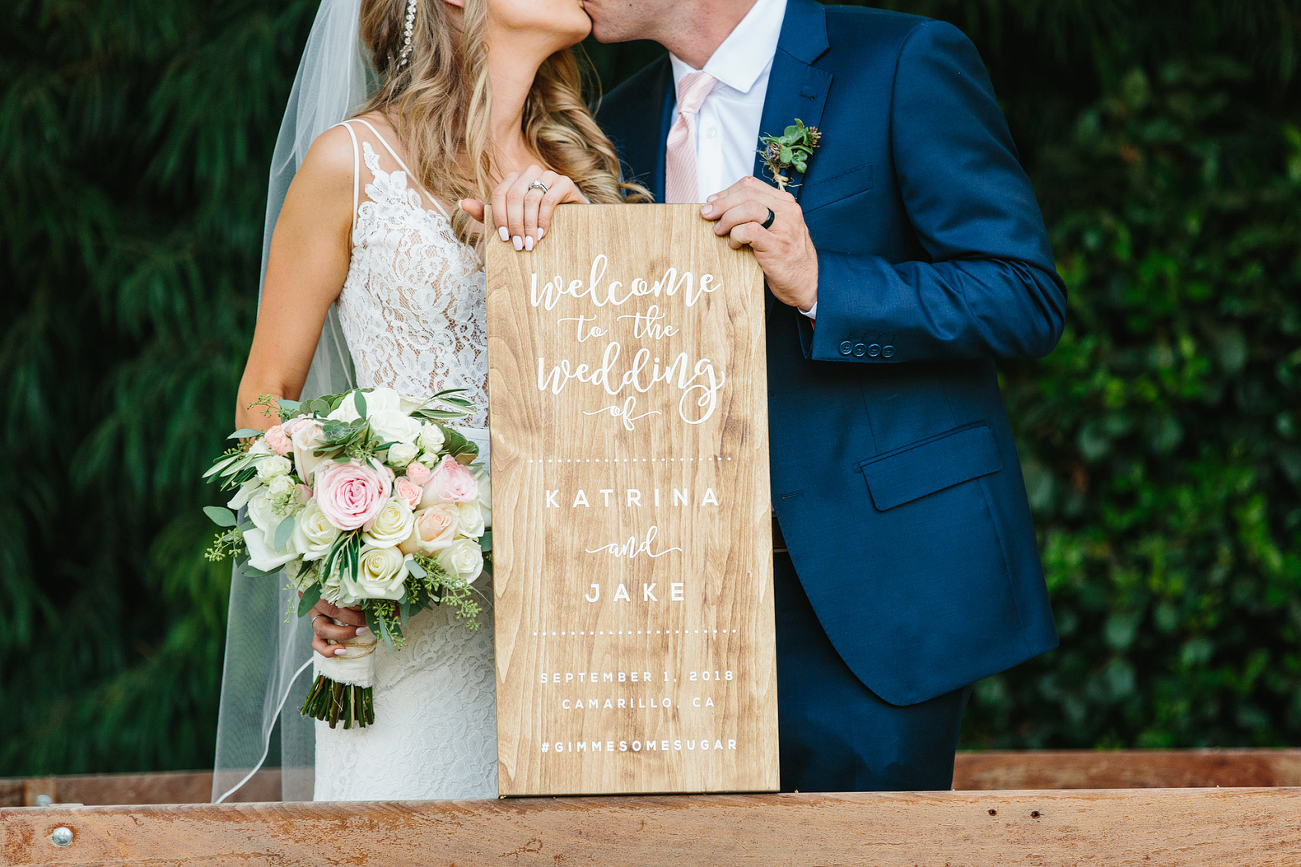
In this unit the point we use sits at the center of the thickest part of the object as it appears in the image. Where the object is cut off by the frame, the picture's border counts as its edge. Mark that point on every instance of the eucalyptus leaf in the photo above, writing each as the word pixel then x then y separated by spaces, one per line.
pixel 485 541
pixel 360 401
pixel 221 516
pixel 417 570
pixel 283 531
pixel 244 433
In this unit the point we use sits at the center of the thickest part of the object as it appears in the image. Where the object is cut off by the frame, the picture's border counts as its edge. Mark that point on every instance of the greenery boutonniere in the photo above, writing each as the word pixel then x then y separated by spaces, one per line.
pixel 791 149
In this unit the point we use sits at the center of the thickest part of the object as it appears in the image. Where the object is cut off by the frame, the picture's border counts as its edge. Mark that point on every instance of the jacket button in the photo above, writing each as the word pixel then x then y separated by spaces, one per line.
pixel 859 350
pixel 874 350
pixel 887 351
pixel 846 348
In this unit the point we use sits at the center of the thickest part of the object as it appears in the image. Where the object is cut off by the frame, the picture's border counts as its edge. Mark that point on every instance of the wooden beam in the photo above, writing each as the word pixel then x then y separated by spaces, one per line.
pixel 1224 827
pixel 1126 769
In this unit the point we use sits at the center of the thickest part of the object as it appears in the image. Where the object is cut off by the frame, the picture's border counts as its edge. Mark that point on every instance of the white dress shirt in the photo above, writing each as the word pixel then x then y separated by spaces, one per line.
pixel 727 125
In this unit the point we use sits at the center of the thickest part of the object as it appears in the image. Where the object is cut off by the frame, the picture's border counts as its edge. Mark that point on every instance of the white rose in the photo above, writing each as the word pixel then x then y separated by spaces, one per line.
pixel 402 454
pixel 262 556
pixel 485 495
pixel 313 533
pixel 280 485
pixel 379 401
pixel 462 559
pixel 430 459
pixel 240 500
pixel 431 438
pixel 380 574
pixel 471 523
pixel 269 468
pixel 391 526
pixel 261 513
pixel 395 427
pixel 333 591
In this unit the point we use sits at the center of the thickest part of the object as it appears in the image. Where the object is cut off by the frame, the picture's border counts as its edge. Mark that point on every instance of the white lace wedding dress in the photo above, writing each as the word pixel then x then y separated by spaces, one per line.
pixel 412 310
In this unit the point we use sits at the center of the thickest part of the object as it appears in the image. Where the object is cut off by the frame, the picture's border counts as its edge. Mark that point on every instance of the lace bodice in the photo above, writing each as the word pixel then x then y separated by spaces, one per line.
pixel 412 310
pixel 412 307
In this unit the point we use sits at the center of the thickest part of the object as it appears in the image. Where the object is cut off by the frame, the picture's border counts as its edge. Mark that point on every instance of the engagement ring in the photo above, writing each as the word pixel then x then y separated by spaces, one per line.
pixel 538 185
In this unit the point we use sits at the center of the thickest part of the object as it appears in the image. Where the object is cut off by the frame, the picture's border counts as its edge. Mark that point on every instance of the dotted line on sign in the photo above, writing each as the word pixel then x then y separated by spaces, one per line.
pixel 622 460
pixel 630 632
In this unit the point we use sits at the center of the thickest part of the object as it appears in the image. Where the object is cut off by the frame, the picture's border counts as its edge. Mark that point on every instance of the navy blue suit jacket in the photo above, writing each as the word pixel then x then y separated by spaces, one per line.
pixel 894 474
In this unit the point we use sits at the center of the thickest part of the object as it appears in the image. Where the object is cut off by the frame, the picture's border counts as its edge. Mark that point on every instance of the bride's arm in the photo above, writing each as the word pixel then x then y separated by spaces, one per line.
pixel 306 266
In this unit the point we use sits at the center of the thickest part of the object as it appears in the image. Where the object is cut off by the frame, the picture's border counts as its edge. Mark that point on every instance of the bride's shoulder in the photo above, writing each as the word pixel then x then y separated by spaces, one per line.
pixel 329 162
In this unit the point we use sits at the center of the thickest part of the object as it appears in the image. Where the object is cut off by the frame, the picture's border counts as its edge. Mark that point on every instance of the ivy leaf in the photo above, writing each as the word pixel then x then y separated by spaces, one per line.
pixel 221 516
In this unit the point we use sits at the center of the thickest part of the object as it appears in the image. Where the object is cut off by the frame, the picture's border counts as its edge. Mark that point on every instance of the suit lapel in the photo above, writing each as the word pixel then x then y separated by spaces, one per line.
pixel 796 89
pixel 646 151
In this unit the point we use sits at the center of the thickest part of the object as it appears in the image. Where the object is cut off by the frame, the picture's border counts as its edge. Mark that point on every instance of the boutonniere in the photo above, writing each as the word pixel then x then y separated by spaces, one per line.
pixel 791 149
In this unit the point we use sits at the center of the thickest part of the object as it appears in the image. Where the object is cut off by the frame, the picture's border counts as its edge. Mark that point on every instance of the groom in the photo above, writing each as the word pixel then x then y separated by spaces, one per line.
pixel 903 263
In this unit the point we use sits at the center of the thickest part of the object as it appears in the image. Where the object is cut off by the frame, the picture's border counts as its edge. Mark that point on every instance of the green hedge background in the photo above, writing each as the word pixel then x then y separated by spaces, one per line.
pixel 1160 441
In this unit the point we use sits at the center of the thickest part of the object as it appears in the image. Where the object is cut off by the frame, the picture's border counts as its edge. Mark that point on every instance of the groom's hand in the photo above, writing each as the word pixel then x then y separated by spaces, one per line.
pixel 784 250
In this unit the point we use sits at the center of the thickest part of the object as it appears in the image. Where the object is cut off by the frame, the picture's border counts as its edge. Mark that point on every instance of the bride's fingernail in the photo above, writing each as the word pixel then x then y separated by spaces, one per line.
pixel 518 242
pixel 505 235
pixel 542 233
pixel 340 651
pixel 363 630
pixel 528 243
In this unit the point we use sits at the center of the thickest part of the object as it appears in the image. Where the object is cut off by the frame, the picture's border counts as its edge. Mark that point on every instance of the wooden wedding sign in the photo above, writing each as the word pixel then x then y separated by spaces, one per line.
pixel 631 530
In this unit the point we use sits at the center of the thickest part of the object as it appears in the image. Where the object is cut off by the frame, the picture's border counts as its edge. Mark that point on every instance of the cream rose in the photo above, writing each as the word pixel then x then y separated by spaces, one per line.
pixel 396 427
pixel 306 436
pixel 401 454
pixel 431 437
pixel 261 512
pixel 462 559
pixel 260 553
pixel 434 529
pixel 391 526
pixel 485 495
pixel 471 520
pixel 380 574
pixel 313 533
pixel 333 591
pixel 270 467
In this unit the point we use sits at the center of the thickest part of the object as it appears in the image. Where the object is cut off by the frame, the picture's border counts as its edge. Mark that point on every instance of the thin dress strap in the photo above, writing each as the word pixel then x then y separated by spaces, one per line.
pixel 410 174
pixel 356 174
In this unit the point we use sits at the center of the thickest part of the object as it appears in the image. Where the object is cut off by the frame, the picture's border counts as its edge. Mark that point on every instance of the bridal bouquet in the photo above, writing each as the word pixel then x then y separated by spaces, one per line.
pixel 363 499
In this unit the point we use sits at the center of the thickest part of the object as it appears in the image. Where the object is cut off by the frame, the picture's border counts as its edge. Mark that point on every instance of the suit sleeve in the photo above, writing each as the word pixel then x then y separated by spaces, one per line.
pixel 990 288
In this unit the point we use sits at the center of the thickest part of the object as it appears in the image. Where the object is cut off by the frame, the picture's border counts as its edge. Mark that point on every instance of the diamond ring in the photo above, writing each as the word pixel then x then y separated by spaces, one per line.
pixel 538 185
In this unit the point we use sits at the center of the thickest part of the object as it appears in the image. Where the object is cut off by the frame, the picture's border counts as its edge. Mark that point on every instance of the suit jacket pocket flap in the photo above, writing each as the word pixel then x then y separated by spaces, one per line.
pixel 915 471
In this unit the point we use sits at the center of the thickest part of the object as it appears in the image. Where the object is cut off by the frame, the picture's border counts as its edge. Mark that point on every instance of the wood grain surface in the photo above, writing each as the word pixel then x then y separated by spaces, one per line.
pixel 632 540
pixel 1126 769
pixel 1193 827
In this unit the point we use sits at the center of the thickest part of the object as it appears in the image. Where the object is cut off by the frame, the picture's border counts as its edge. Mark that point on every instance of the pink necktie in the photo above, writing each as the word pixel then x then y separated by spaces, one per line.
pixel 680 183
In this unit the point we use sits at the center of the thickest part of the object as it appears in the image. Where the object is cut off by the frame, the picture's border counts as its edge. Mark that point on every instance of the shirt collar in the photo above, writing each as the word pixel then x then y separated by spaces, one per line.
pixel 746 52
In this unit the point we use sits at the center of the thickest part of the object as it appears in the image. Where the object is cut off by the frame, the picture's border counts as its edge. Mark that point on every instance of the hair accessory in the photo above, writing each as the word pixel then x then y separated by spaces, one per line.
pixel 406 34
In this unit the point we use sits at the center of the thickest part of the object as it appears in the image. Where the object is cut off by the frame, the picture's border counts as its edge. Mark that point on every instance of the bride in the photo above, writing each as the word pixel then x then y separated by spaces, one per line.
pixel 372 278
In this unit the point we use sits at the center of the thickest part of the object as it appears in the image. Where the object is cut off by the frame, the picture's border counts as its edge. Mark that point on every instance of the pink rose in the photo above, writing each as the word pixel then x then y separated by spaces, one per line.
pixel 351 495
pixel 305 434
pixel 279 440
pixel 409 491
pixel 418 473
pixel 450 483
pixel 434 530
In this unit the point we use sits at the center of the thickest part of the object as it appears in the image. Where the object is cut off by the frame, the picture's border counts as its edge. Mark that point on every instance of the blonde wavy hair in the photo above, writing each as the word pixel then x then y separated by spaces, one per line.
pixel 439 104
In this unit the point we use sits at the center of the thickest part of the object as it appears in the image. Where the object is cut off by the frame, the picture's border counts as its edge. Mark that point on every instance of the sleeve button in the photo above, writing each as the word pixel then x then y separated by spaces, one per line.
pixel 874 350
pixel 887 351
pixel 846 348
pixel 859 350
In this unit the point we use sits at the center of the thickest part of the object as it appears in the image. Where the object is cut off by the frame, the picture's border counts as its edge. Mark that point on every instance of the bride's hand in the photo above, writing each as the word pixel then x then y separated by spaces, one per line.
pixel 523 214
pixel 323 616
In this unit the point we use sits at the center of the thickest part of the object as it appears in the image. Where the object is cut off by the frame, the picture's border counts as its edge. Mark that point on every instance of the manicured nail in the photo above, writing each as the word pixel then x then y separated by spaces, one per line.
pixel 528 243
pixel 542 233
pixel 505 235
pixel 518 242
pixel 340 651
pixel 707 210
pixel 363 630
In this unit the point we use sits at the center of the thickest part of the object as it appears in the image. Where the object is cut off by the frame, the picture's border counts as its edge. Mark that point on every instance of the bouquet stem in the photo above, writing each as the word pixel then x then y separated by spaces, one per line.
pixel 331 701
